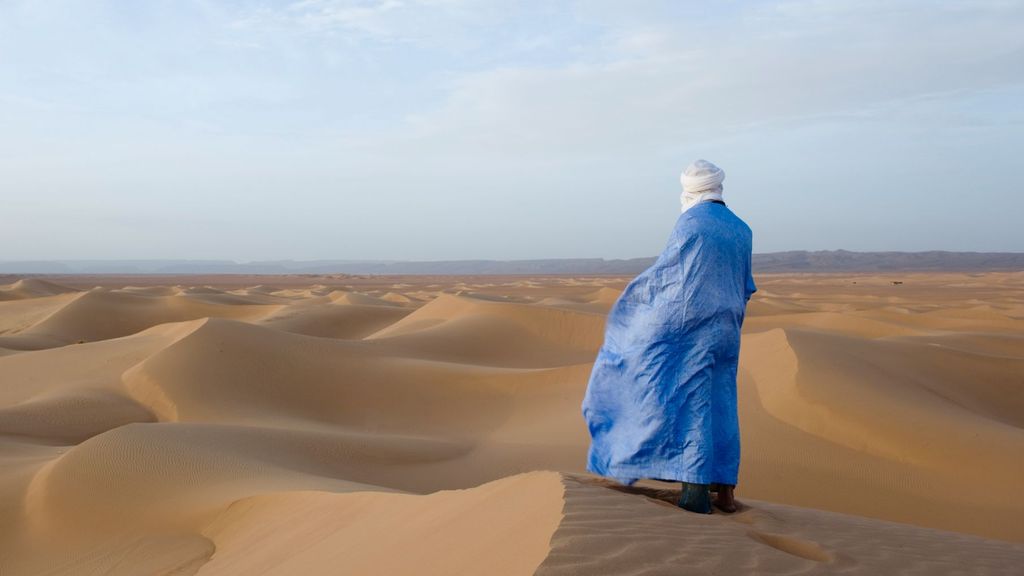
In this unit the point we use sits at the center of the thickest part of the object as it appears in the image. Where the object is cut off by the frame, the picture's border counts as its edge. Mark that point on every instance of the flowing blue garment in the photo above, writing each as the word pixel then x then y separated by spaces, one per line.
pixel 661 401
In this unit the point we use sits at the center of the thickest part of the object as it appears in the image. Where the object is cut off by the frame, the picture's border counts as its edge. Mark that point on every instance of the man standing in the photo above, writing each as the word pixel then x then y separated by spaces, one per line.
pixel 661 401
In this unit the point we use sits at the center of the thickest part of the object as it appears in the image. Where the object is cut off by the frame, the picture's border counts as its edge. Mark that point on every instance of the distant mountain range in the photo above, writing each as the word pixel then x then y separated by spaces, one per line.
pixel 796 261
pixel 845 261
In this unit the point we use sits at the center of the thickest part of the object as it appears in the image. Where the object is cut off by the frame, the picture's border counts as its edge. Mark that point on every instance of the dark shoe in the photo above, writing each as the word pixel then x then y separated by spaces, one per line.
pixel 695 498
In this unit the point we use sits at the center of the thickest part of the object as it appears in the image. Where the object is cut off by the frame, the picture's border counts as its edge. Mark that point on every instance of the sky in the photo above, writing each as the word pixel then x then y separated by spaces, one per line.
pixel 465 129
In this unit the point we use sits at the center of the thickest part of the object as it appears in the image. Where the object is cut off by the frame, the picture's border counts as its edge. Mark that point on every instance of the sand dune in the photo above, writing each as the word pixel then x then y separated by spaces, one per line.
pixel 870 422
pixel 357 298
pixel 100 314
pixel 472 330
pixel 17 317
pixel 32 288
pixel 509 523
pixel 345 320
pixel 432 425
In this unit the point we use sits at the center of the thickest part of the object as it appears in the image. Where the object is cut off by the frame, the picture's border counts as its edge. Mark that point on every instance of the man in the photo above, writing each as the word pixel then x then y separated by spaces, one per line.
pixel 661 401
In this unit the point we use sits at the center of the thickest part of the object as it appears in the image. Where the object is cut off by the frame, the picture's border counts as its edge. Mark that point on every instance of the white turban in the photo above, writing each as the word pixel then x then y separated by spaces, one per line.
pixel 701 181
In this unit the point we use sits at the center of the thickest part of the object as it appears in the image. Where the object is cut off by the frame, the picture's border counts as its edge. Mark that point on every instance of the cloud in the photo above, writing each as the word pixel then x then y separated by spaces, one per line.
pixel 800 94
pixel 788 62
pixel 370 19
pixel 377 21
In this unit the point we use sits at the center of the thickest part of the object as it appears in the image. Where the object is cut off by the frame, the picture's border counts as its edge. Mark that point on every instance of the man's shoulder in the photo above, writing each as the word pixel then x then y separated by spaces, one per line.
pixel 708 217
pixel 740 222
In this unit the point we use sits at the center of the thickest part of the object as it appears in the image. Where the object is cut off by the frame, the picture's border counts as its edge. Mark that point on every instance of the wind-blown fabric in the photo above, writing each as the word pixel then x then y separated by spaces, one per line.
pixel 661 401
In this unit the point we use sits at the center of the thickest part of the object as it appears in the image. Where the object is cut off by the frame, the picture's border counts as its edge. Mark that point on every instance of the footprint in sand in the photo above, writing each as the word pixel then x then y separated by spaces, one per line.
pixel 795 546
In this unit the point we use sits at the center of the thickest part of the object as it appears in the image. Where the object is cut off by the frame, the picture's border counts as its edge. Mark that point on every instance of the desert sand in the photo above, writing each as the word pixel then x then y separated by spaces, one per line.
pixel 431 425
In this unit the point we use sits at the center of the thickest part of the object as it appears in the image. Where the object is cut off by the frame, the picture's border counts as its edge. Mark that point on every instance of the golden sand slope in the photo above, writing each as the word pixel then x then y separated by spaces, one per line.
pixel 389 425
pixel 502 527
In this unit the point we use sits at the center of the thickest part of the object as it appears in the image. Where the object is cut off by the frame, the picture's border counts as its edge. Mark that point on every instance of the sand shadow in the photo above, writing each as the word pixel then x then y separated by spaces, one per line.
pixel 661 495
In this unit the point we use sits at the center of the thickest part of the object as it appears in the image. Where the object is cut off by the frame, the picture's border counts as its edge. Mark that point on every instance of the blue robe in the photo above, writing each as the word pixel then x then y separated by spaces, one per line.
pixel 661 401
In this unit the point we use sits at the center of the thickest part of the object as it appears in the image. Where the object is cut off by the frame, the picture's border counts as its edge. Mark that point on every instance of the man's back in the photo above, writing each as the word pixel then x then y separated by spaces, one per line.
pixel 715 259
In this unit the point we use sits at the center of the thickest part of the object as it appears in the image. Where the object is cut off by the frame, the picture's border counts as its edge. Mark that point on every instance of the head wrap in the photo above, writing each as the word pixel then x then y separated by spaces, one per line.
pixel 701 181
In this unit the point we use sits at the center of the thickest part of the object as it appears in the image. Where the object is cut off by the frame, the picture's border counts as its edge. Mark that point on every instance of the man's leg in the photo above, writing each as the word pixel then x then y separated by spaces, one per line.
pixel 727 435
pixel 724 498
pixel 696 498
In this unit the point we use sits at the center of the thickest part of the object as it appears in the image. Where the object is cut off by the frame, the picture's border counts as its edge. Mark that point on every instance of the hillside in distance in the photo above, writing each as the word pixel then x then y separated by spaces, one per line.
pixel 782 262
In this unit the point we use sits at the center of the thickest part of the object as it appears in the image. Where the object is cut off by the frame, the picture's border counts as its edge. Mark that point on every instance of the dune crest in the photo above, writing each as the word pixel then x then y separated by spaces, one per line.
pixel 33 288
pixel 508 521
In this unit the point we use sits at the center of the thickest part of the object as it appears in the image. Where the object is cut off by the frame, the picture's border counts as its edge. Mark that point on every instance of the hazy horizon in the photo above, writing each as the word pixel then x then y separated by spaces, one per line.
pixel 776 262
pixel 454 129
